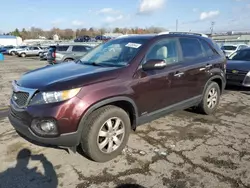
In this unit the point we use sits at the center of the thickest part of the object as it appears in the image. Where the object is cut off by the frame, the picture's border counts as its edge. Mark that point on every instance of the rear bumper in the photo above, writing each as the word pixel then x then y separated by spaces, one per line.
pixel 65 140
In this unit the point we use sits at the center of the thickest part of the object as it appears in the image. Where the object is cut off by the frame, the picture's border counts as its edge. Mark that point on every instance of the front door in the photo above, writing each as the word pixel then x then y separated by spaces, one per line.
pixel 153 88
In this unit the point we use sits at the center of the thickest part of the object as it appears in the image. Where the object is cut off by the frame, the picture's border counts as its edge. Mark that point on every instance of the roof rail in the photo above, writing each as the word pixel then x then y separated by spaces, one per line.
pixel 125 35
pixel 181 32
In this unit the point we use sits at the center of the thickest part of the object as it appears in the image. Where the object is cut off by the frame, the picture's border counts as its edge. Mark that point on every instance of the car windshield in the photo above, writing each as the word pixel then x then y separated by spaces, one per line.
pixel 118 52
pixel 228 47
pixel 241 55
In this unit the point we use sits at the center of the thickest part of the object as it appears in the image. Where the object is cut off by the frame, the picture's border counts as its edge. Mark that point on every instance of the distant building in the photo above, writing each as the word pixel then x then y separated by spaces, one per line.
pixel 9 40
pixel 55 37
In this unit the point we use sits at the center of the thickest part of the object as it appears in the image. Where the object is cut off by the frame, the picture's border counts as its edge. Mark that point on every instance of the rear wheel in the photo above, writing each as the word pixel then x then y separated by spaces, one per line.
pixel 211 99
pixel 68 59
pixel 105 133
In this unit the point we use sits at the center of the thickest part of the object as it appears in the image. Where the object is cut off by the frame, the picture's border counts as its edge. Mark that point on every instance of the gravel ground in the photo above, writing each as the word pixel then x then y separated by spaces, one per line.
pixel 181 150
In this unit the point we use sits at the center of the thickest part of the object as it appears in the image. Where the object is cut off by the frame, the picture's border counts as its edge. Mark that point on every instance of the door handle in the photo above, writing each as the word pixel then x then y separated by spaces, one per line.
pixel 178 74
pixel 207 66
pixel 202 69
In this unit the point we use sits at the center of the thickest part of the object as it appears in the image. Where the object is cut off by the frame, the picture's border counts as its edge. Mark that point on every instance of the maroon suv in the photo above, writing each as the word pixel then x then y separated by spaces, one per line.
pixel 95 102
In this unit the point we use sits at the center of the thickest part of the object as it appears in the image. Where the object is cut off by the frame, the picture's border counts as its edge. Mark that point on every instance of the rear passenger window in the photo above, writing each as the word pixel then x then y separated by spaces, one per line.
pixel 62 48
pixel 79 49
pixel 191 48
pixel 208 50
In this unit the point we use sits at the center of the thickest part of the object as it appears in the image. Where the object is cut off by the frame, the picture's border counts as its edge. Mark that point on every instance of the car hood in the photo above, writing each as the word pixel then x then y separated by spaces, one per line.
pixel 66 76
pixel 238 65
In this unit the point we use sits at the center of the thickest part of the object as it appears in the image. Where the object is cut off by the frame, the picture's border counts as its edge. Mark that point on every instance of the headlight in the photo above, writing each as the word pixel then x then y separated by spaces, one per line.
pixel 248 74
pixel 55 96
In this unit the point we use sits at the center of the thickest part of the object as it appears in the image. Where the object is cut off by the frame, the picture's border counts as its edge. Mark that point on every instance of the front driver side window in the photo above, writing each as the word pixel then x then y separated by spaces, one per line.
pixel 165 50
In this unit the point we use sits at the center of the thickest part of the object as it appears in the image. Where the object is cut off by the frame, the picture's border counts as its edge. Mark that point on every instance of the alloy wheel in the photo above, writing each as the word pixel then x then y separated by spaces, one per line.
pixel 212 98
pixel 111 135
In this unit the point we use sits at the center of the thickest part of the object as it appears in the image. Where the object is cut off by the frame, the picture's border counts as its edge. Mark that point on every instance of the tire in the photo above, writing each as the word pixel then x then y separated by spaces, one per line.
pixel 67 60
pixel 23 55
pixel 209 107
pixel 97 121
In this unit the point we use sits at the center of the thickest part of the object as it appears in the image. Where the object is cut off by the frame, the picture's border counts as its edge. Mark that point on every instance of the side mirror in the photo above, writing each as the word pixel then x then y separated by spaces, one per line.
pixel 154 64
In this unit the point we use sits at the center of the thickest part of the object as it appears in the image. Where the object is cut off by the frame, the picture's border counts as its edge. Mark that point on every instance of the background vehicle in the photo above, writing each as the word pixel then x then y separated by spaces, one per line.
pixel 230 48
pixel 85 38
pixel 43 55
pixel 67 53
pixel 30 51
pixel 96 101
pixel 238 68
pixel 15 49
pixel 5 49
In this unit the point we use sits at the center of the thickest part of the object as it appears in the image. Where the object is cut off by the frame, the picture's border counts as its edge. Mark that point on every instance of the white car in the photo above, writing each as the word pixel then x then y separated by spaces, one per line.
pixel 30 51
pixel 230 48
pixel 13 51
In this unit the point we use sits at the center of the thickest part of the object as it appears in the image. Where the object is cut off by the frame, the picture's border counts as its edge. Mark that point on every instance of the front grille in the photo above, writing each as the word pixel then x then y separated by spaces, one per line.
pixel 21 115
pixel 20 98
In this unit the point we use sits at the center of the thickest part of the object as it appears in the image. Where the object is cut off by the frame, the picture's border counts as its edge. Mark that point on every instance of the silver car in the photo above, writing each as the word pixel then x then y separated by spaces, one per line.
pixel 30 51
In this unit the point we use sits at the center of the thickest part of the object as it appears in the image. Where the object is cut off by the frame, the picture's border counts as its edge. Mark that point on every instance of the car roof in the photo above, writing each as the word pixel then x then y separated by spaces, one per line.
pixel 166 34
pixel 248 48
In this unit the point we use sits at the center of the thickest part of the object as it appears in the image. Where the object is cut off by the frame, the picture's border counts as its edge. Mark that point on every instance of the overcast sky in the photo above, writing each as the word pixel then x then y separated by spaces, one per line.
pixel 195 15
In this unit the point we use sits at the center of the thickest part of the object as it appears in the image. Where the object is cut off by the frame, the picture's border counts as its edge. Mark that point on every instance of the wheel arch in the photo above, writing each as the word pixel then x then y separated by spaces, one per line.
pixel 219 80
pixel 123 102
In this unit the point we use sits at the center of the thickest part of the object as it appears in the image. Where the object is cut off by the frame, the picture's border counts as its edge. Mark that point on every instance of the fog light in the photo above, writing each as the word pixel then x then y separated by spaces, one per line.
pixel 44 127
pixel 47 126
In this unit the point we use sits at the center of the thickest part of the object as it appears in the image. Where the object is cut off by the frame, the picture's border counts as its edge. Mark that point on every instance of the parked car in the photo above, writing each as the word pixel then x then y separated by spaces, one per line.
pixel 230 48
pixel 238 68
pixel 82 39
pixel 30 51
pixel 43 55
pixel 70 53
pixel 14 50
pixel 96 101
pixel 4 49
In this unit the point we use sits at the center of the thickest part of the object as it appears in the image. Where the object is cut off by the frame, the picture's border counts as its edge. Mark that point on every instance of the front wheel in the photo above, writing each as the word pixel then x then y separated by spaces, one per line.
pixel 105 133
pixel 211 99
pixel 23 55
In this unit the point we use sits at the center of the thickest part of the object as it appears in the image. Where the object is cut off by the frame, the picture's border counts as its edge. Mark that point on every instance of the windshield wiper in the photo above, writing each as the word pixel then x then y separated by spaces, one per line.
pixel 90 63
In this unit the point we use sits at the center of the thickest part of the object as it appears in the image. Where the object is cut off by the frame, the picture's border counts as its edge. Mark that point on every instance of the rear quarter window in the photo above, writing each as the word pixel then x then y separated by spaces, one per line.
pixel 209 51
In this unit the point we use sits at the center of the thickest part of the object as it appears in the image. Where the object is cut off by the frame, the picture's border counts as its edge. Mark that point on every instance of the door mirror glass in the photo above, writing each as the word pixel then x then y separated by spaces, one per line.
pixel 154 64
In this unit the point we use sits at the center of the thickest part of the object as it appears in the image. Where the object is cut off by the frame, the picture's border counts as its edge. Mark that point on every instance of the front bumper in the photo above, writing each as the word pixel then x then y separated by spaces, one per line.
pixel 67 115
pixel 65 140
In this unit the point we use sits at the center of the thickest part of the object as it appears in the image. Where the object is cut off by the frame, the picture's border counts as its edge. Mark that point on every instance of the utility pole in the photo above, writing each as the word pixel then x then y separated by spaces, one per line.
pixel 212 27
pixel 177 25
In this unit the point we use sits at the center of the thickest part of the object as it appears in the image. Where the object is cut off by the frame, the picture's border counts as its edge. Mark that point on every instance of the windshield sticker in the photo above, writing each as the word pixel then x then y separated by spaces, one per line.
pixel 133 45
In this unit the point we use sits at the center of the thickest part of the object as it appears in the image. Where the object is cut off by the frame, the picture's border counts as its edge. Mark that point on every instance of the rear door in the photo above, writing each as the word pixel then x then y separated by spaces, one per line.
pixel 194 60
pixel 78 51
